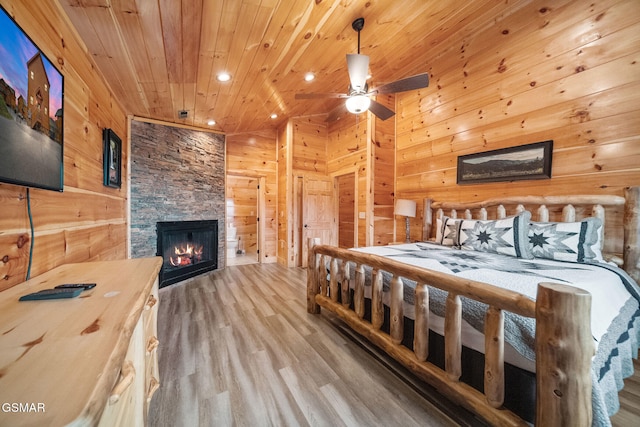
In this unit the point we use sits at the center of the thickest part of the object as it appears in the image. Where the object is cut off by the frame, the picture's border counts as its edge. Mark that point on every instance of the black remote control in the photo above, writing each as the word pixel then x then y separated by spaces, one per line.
pixel 83 286
pixel 52 294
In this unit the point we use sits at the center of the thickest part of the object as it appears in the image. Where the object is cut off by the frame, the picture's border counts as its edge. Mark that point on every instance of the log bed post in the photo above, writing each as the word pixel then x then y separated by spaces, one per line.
pixel 313 282
pixel 345 284
pixel 421 334
pixel 396 295
pixel 359 291
pixel 494 360
pixel 377 306
pixel 564 348
pixel 333 280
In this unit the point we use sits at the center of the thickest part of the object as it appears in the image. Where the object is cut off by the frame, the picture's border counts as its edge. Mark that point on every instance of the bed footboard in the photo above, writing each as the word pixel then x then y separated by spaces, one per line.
pixel 564 345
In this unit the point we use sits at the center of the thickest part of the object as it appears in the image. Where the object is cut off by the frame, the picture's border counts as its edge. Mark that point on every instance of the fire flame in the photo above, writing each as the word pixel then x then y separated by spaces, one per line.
pixel 186 255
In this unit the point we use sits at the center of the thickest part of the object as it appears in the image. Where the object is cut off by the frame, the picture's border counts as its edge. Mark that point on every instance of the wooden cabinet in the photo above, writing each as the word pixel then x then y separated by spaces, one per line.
pixel 128 402
pixel 90 360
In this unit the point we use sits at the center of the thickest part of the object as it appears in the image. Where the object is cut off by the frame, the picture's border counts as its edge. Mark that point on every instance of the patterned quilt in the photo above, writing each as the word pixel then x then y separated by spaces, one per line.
pixel 615 305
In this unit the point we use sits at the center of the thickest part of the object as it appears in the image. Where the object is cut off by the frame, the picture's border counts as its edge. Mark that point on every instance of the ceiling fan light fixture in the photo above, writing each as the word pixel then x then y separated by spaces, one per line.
pixel 357 96
pixel 357 104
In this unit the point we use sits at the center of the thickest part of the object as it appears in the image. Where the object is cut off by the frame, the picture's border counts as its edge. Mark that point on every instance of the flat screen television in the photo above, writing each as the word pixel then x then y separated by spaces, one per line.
pixel 31 117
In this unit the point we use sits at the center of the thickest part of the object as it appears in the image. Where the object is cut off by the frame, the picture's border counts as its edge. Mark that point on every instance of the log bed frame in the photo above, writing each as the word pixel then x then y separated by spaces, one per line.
pixel 564 345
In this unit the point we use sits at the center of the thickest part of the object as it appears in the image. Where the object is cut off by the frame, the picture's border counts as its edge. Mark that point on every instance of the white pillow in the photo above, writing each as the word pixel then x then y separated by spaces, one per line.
pixel 447 231
pixel 566 241
pixel 507 236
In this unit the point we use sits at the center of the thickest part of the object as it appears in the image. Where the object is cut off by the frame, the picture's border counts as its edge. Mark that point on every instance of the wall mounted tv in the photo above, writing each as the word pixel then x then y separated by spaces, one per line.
pixel 31 118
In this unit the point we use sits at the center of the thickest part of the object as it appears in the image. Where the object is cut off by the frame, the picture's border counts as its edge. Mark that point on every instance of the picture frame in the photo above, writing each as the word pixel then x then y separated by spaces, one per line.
pixel 524 162
pixel 112 159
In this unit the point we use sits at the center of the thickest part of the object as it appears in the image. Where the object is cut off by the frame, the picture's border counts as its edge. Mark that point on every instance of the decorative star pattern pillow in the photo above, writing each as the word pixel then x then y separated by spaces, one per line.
pixel 447 231
pixel 566 241
pixel 508 236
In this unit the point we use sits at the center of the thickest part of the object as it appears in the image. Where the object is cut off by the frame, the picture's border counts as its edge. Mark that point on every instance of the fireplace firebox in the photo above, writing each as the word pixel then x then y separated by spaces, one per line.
pixel 188 248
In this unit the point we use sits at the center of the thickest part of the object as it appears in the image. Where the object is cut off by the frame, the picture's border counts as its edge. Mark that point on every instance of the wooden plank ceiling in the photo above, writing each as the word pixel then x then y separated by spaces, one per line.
pixel 162 56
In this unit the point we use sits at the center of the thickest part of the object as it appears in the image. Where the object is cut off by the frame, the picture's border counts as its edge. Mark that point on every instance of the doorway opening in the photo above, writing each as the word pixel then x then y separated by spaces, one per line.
pixel 243 236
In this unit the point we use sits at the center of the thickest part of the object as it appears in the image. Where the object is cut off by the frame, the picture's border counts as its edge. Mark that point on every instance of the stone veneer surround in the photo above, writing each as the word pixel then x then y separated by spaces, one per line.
pixel 177 174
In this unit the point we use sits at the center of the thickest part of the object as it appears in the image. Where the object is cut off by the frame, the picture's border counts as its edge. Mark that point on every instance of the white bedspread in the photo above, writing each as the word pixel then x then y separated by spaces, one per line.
pixel 615 312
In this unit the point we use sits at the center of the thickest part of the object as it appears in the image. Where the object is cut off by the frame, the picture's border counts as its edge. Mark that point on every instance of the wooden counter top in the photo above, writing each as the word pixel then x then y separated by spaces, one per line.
pixel 61 358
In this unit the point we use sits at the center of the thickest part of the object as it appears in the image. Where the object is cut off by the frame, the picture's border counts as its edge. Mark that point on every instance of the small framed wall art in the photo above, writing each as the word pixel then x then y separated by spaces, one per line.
pixel 112 158
pixel 529 161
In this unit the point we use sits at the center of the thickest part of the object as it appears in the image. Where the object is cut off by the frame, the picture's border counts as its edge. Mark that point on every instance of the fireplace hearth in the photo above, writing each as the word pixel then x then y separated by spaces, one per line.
pixel 188 248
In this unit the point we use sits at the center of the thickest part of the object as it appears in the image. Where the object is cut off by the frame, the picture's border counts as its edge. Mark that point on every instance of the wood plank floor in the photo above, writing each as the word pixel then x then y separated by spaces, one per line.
pixel 238 348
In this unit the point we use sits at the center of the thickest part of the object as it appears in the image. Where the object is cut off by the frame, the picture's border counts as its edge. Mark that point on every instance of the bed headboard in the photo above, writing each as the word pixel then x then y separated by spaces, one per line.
pixel 620 216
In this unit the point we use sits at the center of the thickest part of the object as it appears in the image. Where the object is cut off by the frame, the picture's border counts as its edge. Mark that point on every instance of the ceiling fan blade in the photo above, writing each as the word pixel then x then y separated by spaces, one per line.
pixel 380 111
pixel 358 66
pixel 320 95
pixel 410 83
pixel 336 112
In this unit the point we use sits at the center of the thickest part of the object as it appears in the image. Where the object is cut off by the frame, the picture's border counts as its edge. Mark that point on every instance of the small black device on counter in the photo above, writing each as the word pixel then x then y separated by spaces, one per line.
pixel 83 286
pixel 52 294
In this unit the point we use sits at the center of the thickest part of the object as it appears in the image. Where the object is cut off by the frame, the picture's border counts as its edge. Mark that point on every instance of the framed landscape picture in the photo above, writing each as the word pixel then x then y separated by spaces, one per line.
pixel 112 158
pixel 530 161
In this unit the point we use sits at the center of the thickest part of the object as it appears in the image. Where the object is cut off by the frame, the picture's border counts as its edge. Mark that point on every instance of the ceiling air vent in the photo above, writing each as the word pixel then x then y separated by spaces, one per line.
pixel 182 114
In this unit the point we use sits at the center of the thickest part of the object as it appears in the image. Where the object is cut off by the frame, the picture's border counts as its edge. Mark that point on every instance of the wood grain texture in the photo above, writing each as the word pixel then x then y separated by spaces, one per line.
pixel 563 379
pixel 52 350
pixel 240 349
pixel 164 57
pixel 201 385
pixel 87 221
pixel 531 77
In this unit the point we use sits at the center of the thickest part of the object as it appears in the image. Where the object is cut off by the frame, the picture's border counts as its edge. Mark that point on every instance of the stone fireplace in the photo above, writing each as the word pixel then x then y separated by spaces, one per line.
pixel 177 175
pixel 188 248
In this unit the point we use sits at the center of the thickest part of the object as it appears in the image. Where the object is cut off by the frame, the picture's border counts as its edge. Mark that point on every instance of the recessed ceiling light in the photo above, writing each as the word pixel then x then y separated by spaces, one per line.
pixel 223 77
pixel 274 116
pixel 309 76
pixel 211 122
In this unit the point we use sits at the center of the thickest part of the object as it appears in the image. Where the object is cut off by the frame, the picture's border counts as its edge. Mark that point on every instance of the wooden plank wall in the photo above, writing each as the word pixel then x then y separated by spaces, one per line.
pixel 346 210
pixel 253 155
pixel 350 149
pixel 87 221
pixel 285 194
pixel 347 151
pixel 309 145
pixel 301 150
pixel 567 71
pixel 384 148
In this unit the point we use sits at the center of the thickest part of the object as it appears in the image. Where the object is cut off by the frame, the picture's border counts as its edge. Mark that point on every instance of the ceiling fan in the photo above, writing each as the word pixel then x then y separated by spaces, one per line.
pixel 358 96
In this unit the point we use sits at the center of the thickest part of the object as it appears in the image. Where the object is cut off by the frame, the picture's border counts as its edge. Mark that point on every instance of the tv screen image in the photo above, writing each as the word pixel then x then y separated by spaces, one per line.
pixel 31 112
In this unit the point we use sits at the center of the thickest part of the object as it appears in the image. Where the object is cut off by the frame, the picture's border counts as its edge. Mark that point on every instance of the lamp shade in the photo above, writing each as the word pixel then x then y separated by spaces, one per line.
pixel 405 207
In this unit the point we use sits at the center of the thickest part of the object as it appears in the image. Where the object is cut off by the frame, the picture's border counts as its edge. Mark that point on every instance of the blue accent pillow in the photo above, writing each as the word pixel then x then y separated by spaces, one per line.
pixel 565 241
pixel 507 236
